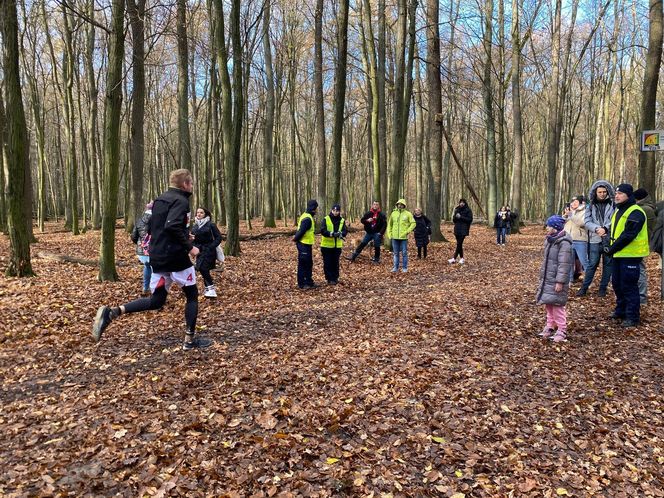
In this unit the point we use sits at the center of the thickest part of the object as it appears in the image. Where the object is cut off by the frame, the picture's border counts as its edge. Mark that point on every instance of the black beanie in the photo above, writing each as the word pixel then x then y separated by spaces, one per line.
pixel 625 188
pixel 640 193
pixel 312 204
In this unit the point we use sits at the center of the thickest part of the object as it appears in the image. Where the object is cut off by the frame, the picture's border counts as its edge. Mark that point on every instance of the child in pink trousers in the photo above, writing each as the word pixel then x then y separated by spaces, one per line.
pixel 554 279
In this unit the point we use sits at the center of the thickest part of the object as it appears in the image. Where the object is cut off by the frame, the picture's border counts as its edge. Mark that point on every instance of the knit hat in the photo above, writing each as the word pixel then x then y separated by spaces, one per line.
pixel 640 193
pixel 312 204
pixel 625 188
pixel 556 221
pixel 336 207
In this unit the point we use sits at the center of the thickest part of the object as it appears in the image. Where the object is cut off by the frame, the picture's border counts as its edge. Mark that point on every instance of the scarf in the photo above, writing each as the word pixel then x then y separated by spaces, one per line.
pixel 374 217
pixel 201 222
pixel 552 238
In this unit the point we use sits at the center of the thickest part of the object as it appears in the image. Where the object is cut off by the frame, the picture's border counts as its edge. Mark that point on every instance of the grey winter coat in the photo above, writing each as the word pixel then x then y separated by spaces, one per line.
pixel 599 214
pixel 556 268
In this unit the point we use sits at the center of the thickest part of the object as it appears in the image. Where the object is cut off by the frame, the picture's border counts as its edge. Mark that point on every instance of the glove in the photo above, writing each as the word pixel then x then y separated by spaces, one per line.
pixel 607 250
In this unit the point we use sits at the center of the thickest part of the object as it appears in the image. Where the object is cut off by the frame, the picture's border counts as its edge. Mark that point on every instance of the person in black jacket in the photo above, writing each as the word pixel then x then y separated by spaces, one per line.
pixel 206 237
pixel 462 218
pixel 333 233
pixel 170 249
pixel 422 232
pixel 375 224
pixel 304 239
pixel 139 236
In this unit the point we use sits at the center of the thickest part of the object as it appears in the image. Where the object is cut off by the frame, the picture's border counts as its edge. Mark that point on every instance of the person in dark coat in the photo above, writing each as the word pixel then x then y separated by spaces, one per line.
pixel 170 252
pixel 422 232
pixel 304 239
pixel 375 224
pixel 554 278
pixel 139 236
pixel 501 223
pixel 462 218
pixel 206 237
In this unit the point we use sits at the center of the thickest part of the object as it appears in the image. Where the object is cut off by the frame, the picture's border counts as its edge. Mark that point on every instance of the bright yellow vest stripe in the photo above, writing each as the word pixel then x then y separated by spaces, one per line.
pixel 638 248
pixel 331 241
pixel 308 238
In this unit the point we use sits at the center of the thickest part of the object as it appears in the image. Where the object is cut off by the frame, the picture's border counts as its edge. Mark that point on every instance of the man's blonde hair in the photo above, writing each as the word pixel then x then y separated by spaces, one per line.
pixel 179 177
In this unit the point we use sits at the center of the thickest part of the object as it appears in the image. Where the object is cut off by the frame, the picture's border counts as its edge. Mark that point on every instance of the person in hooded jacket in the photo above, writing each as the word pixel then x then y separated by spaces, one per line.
pixel 501 223
pixel 645 202
pixel 575 219
pixel 399 225
pixel 333 232
pixel 206 237
pixel 304 239
pixel 599 210
pixel 139 237
pixel 554 278
pixel 462 218
pixel 422 232
pixel 629 245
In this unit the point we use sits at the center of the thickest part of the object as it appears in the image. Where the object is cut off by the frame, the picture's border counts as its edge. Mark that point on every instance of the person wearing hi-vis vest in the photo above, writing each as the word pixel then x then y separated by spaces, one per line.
pixel 304 238
pixel 399 225
pixel 333 232
pixel 629 245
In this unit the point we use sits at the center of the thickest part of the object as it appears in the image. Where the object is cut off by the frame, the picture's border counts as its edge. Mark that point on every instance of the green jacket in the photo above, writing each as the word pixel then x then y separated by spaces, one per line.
pixel 401 223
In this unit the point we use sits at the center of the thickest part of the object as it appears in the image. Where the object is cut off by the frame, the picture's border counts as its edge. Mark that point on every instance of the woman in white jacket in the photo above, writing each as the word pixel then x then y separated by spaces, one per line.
pixel 575 226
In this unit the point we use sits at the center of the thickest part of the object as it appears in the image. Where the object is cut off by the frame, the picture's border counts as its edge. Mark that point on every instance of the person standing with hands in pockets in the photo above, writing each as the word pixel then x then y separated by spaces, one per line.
pixel 462 218
pixel 400 224
pixel 333 232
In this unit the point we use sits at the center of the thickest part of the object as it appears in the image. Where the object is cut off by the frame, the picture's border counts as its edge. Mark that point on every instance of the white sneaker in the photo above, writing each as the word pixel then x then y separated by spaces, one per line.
pixel 210 292
pixel 451 260
pixel 461 261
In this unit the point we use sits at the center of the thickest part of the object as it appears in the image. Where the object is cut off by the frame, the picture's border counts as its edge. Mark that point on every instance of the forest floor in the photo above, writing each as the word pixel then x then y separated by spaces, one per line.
pixel 430 383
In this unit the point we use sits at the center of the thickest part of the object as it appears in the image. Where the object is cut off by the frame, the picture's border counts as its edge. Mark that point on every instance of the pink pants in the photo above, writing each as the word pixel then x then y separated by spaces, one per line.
pixel 556 315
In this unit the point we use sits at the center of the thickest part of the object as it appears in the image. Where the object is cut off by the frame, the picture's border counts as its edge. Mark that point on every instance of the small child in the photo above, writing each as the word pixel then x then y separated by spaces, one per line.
pixel 422 232
pixel 554 278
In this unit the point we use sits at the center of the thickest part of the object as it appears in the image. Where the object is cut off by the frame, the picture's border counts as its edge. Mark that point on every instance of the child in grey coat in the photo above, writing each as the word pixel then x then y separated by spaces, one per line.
pixel 554 278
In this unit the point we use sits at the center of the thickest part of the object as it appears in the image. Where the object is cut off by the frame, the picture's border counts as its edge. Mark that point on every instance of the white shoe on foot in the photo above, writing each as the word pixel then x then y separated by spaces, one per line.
pixel 210 291
pixel 461 261
pixel 451 260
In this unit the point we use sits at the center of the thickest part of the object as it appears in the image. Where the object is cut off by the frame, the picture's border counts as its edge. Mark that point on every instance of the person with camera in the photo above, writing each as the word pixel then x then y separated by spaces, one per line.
pixel 575 225
pixel 597 220
pixel 501 223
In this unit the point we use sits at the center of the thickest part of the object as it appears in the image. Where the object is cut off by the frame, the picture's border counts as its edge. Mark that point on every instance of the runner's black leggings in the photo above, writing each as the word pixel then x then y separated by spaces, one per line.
pixel 459 246
pixel 158 299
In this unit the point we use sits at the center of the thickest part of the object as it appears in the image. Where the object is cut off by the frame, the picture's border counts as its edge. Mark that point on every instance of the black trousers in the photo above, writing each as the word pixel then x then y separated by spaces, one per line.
pixel 305 265
pixel 331 257
pixel 625 280
pixel 459 246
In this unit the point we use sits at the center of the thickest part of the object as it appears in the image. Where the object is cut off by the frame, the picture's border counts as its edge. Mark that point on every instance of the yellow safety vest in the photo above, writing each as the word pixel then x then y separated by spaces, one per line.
pixel 331 242
pixel 308 237
pixel 638 248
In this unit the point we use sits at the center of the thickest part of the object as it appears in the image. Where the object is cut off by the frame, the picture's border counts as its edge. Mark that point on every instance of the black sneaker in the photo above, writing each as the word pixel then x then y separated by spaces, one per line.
pixel 197 342
pixel 601 293
pixel 629 323
pixel 581 292
pixel 616 317
pixel 102 320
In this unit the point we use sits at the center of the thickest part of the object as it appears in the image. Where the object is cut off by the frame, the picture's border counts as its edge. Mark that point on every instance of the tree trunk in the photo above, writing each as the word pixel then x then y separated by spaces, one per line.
pixel 339 102
pixel 517 127
pixel 112 112
pixel 95 167
pixel 268 144
pixel 382 117
pixel 647 159
pixel 435 116
pixel 136 11
pixel 17 147
pixel 321 154
pixel 553 136
pixel 487 94
pixel 184 140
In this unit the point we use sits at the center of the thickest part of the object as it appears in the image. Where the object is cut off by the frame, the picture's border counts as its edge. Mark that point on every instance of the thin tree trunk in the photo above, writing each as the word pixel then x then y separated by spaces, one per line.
pixel 268 144
pixel 95 167
pixel 517 127
pixel 184 140
pixel 112 111
pixel 487 94
pixel 319 102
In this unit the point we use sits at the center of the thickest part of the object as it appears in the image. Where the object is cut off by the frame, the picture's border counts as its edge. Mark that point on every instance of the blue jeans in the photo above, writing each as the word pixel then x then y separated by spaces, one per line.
pixel 580 248
pixel 643 282
pixel 626 286
pixel 593 263
pixel 377 239
pixel 400 246
pixel 147 271
pixel 501 232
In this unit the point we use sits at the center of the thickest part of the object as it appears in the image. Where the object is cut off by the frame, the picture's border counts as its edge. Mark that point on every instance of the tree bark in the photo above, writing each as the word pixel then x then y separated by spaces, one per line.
pixel 339 102
pixel 517 127
pixel 112 112
pixel 17 160
pixel 487 94
pixel 321 151
pixel 268 144
pixel 184 140
pixel 647 159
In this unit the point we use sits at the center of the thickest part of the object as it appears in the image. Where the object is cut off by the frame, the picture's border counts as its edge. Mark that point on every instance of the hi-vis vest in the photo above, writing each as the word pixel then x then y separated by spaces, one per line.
pixel 308 237
pixel 331 241
pixel 638 248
